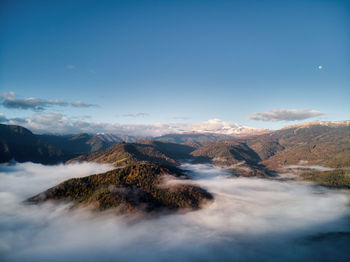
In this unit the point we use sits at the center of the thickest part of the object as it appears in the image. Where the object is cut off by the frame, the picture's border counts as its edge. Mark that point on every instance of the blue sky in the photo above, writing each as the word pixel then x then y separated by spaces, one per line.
pixel 145 62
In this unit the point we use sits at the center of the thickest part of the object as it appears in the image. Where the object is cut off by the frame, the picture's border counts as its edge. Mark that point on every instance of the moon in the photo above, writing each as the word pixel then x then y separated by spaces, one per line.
pixel 320 67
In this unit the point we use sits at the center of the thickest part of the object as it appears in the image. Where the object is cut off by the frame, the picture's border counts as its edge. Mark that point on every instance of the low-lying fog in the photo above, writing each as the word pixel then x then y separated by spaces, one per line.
pixel 250 220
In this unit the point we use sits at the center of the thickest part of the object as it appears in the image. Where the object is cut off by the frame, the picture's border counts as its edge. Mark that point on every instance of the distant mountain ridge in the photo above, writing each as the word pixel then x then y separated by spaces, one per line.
pixel 320 123
pixel 75 144
pixel 258 155
pixel 193 139
pixel 19 144
pixel 318 143
pixel 140 183
pixel 113 138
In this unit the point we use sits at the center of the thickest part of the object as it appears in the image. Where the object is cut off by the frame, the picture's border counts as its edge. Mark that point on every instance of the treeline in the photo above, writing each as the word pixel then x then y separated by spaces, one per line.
pixel 339 178
pixel 137 186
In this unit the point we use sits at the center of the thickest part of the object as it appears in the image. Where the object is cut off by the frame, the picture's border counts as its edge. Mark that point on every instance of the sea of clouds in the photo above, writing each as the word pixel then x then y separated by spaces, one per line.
pixel 249 220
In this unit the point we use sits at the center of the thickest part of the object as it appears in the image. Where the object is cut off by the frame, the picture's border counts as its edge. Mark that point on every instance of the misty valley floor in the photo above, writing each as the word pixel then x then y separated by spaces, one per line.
pixel 250 220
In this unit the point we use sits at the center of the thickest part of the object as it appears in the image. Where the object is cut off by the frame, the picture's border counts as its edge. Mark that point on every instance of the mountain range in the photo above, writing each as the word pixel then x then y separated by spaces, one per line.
pixel 142 164
pixel 19 144
pixel 264 154
pixel 312 143
pixel 318 143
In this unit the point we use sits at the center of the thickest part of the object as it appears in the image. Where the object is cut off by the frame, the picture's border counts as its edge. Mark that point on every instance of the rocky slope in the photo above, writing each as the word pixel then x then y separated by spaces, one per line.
pixel 314 144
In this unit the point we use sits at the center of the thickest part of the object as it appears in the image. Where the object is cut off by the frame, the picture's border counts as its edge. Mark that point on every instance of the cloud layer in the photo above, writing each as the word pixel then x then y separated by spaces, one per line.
pixel 249 219
pixel 285 115
pixel 58 123
pixel 10 101
pixel 3 118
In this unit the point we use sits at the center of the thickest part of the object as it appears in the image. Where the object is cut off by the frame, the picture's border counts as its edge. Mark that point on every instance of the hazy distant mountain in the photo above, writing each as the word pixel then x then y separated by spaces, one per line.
pixel 76 144
pixel 316 143
pixel 320 123
pixel 136 187
pixel 321 144
pixel 197 139
pixel 193 139
pixel 113 139
pixel 217 126
pixel 232 155
pixel 20 144
pixel 84 143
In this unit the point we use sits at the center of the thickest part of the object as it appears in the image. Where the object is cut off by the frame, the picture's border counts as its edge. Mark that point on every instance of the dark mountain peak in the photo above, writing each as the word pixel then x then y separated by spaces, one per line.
pixel 19 143
pixel 11 130
pixel 22 145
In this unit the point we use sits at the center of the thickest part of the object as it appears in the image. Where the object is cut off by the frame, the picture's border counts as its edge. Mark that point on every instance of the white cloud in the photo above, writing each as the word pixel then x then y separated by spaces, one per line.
pixel 249 219
pixel 313 167
pixel 70 67
pixel 217 126
pixel 81 104
pixel 285 115
pixel 10 101
pixel 3 118
pixel 26 178
pixel 181 118
pixel 136 115
pixel 58 123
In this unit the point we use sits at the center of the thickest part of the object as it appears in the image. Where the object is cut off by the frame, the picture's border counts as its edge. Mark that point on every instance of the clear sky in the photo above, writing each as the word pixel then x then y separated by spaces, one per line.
pixel 146 62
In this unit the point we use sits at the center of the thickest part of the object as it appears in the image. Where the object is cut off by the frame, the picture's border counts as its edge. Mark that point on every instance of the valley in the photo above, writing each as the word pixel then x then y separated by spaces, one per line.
pixel 317 152
pixel 174 131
